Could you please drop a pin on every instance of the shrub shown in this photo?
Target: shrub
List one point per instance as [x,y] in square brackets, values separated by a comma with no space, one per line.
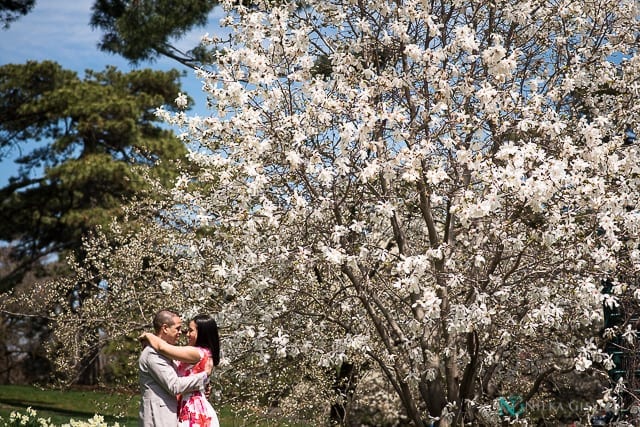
[30,419]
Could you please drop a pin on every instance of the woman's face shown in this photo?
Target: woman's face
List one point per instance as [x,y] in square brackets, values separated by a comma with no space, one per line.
[192,333]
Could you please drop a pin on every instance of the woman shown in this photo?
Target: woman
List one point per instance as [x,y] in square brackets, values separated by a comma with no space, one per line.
[203,341]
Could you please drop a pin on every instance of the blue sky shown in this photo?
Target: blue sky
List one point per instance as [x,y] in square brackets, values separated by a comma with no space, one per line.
[59,30]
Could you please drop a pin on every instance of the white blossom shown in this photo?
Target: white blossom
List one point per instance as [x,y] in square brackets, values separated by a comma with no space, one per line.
[397,188]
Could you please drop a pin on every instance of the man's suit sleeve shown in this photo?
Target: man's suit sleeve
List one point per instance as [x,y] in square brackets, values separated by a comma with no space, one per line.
[165,374]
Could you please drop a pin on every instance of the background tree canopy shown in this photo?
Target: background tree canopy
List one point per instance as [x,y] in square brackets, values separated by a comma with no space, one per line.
[143,30]
[86,144]
[11,10]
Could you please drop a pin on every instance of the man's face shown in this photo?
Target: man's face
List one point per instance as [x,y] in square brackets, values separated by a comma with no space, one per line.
[170,333]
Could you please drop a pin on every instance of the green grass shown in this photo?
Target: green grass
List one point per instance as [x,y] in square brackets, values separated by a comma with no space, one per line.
[61,406]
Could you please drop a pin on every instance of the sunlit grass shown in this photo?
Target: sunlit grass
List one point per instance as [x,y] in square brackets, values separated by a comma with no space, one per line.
[62,405]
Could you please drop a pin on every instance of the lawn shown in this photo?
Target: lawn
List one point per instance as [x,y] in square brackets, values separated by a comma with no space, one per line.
[61,406]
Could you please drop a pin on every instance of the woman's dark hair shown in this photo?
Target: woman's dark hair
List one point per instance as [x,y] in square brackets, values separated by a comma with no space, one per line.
[208,335]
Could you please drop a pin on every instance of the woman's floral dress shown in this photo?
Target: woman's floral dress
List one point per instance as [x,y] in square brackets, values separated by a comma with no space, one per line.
[194,409]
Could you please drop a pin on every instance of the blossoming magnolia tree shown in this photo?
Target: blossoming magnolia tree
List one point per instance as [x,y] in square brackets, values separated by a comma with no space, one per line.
[427,193]
[433,188]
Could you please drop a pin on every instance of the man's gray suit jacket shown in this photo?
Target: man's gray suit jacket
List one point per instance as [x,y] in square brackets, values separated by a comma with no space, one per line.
[159,385]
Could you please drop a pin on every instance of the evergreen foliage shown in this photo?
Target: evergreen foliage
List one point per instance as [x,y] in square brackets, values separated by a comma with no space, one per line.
[12,10]
[85,144]
[143,30]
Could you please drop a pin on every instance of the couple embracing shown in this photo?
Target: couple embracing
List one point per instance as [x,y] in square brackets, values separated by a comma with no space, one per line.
[174,379]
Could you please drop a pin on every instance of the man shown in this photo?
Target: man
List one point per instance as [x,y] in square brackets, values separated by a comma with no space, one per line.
[159,381]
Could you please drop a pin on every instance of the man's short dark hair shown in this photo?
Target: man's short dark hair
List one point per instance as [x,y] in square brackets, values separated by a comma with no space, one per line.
[163,317]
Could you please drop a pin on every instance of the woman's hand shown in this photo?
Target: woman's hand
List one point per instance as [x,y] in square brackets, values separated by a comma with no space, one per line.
[153,340]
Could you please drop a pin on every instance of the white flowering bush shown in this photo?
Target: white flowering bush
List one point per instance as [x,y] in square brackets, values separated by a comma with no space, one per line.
[30,418]
[431,191]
